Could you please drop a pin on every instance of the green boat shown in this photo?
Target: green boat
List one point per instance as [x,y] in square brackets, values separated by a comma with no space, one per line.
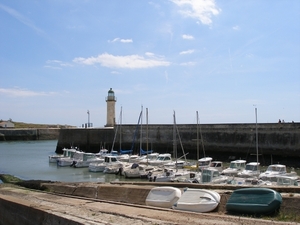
[257,201]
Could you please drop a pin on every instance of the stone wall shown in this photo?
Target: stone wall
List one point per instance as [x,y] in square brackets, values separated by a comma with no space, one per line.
[276,142]
[9,134]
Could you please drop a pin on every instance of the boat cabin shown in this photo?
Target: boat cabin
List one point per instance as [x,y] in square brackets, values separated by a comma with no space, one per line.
[110,158]
[253,166]
[204,162]
[287,181]
[164,157]
[238,164]
[217,165]
[278,168]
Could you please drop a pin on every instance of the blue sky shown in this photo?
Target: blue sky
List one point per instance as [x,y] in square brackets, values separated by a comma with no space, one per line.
[58,59]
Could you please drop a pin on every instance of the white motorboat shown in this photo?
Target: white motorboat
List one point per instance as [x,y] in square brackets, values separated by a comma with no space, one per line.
[212,176]
[287,181]
[198,200]
[128,158]
[112,169]
[102,153]
[178,164]
[54,158]
[217,165]
[68,161]
[149,157]
[86,159]
[108,161]
[204,162]
[167,175]
[251,170]
[137,171]
[275,170]
[164,197]
[66,153]
[235,167]
[161,160]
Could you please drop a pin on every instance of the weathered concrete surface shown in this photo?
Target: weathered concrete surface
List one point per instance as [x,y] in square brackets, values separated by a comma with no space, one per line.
[136,192]
[277,142]
[12,134]
[24,206]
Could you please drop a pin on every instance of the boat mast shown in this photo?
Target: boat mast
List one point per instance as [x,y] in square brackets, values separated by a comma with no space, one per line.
[256,137]
[147,133]
[201,138]
[198,156]
[141,133]
[115,136]
[147,130]
[174,140]
[121,129]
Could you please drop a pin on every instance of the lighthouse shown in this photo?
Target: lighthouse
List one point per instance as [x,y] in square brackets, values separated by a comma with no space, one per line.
[111,101]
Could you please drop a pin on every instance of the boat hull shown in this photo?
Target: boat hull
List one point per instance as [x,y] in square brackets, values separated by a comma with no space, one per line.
[254,201]
[198,200]
[164,197]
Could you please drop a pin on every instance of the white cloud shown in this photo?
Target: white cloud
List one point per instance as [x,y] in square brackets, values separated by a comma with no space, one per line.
[121,40]
[126,40]
[115,72]
[56,64]
[150,54]
[236,27]
[187,52]
[18,92]
[129,61]
[188,64]
[202,10]
[21,18]
[188,37]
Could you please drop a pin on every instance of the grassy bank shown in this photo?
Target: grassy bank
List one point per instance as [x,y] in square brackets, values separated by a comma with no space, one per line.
[21,125]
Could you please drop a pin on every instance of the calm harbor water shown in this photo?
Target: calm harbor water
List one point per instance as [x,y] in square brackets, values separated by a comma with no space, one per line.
[28,160]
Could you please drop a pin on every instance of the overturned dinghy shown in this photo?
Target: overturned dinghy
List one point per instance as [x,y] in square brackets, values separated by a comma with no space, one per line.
[164,197]
[198,200]
[254,201]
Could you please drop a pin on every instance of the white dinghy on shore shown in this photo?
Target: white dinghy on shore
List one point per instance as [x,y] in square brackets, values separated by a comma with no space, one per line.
[198,200]
[164,197]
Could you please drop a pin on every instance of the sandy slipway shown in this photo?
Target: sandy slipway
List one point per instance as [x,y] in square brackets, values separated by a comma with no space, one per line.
[98,203]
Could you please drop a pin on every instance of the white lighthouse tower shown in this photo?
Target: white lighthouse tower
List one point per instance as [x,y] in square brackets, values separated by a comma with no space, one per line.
[111,101]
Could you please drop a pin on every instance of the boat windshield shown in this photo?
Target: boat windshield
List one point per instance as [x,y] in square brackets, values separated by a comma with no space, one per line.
[163,158]
[251,167]
[205,163]
[152,157]
[233,165]
[215,164]
[114,159]
[276,169]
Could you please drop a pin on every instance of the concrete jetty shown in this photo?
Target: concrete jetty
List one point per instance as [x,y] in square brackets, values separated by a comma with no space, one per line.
[115,203]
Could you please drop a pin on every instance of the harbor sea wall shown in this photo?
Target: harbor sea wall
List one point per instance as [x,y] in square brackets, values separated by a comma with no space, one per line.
[13,134]
[277,142]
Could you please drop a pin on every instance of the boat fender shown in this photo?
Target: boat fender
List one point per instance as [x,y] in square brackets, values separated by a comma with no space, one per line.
[154,178]
[134,165]
[120,171]
[73,163]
